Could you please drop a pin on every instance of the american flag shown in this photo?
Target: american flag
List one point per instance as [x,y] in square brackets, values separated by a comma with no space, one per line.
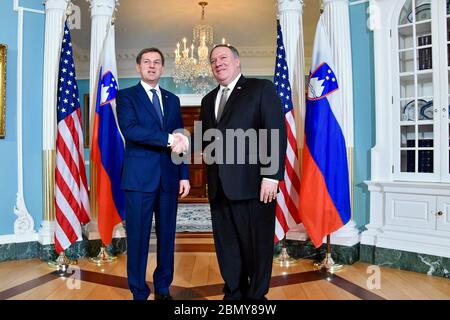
[71,195]
[287,214]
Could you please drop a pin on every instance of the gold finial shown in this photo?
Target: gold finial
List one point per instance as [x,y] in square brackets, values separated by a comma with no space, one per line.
[203,4]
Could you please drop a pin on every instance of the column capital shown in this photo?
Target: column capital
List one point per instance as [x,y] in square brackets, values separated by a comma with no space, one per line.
[290,5]
[102,7]
[326,2]
[55,5]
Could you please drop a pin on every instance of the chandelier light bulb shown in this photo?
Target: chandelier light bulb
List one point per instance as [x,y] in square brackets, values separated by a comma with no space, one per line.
[191,70]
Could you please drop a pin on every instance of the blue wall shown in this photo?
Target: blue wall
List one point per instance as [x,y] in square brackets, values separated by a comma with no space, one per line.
[364,108]
[33,40]
[364,117]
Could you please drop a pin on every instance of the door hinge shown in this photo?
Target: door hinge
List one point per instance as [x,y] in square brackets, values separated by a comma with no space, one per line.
[392,168]
[390,33]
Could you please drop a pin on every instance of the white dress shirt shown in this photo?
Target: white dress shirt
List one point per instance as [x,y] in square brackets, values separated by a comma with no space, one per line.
[147,89]
[231,86]
[219,93]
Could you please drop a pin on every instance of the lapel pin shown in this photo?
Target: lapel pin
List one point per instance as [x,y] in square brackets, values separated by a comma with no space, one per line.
[239,88]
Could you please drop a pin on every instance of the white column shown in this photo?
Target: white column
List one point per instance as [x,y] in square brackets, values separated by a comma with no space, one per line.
[101,14]
[337,24]
[54,19]
[374,228]
[291,20]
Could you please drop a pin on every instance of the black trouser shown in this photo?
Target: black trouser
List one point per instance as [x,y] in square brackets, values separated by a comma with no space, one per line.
[244,240]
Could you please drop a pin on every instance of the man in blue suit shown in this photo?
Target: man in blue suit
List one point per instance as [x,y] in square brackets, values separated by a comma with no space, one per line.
[148,115]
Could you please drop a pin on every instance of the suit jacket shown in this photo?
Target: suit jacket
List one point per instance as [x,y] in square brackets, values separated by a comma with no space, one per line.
[253,104]
[147,163]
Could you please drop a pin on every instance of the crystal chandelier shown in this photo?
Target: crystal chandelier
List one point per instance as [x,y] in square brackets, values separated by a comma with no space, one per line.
[196,72]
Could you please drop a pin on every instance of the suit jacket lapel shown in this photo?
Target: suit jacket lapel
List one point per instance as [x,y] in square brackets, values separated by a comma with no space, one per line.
[234,94]
[212,106]
[146,103]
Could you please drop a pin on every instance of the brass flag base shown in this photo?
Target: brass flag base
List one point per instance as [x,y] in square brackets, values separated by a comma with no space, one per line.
[283,259]
[61,263]
[103,257]
[328,264]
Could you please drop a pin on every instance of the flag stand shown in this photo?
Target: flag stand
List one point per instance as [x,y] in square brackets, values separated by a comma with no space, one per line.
[103,257]
[62,263]
[284,259]
[328,263]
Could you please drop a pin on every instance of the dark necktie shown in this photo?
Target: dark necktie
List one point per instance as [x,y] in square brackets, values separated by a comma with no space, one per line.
[157,105]
[222,102]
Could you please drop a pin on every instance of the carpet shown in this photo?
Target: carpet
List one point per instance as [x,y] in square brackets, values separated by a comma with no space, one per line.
[192,218]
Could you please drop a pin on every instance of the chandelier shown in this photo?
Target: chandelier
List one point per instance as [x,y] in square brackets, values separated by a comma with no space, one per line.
[192,71]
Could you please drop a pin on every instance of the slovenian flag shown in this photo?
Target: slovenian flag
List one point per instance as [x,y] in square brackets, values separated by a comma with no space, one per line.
[325,193]
[107,148]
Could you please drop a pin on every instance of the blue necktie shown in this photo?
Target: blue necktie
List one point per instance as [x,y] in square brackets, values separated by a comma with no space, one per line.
[157,105]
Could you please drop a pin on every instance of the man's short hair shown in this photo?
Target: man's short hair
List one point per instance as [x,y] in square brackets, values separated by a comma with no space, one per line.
[233,50]
[146,50]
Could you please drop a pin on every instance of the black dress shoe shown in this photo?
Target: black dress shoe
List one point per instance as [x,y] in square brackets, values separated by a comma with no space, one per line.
[163,296]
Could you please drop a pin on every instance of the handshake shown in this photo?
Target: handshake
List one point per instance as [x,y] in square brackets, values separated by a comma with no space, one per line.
[180,143]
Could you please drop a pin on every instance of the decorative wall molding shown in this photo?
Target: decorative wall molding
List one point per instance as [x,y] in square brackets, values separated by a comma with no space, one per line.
[13,238]
[81,55]
[24,223]
[18,7]
[256,61]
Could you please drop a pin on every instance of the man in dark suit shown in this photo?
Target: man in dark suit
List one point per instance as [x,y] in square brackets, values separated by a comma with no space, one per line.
[242,195]
[148,115]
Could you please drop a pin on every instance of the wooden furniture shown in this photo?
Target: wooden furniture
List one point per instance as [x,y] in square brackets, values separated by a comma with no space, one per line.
[410,177]
[198,193]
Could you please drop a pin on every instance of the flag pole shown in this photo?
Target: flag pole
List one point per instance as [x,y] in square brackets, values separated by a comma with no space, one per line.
[104,257]
[284,259]
[328,263]
[62,262]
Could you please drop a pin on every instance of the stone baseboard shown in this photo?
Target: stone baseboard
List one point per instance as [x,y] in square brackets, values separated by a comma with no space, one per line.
[404,260]
[18,251]
[80,249]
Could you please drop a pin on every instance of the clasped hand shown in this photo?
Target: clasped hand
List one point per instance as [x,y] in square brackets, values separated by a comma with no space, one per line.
[180,143]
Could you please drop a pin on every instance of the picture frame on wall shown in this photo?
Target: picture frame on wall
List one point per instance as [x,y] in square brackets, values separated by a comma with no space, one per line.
[3,49]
